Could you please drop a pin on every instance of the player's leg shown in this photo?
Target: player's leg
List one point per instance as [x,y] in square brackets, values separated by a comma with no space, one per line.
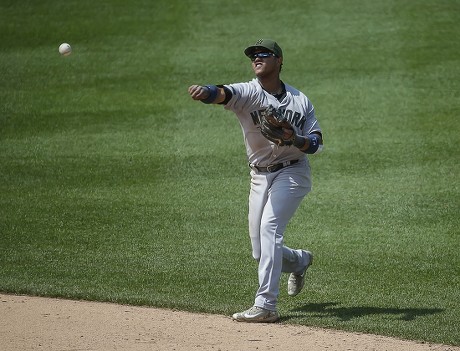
[257,200]
[287,189]
[295,261]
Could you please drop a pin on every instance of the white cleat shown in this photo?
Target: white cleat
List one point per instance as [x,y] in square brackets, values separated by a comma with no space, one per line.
[256,315]
[297,281]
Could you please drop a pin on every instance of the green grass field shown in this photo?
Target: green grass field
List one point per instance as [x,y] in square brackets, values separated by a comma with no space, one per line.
[116,186]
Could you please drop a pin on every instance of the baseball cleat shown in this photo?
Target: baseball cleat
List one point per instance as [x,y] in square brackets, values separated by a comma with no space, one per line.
[256,315]
[297,281]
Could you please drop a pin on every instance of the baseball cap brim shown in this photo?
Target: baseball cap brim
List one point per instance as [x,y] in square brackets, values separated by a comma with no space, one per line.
[264,44]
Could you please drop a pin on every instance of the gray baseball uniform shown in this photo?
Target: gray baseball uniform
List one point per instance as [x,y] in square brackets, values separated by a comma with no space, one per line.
[274,196]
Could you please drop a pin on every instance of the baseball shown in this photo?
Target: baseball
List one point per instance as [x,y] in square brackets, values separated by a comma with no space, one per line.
[65,49]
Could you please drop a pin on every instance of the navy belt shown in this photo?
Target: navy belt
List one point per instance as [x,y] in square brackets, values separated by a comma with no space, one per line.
[276,167]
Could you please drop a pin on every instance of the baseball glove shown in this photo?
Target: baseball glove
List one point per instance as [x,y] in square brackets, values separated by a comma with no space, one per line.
[275,127]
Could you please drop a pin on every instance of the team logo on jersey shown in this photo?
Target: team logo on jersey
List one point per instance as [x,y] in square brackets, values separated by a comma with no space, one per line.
[295,118]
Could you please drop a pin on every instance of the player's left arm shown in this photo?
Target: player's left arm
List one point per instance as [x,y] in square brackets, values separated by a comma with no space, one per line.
[312,141]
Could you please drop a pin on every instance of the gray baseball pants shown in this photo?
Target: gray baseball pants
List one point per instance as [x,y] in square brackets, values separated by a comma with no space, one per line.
[273,200]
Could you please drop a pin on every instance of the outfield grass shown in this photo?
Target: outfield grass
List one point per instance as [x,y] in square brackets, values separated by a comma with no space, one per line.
[116,186]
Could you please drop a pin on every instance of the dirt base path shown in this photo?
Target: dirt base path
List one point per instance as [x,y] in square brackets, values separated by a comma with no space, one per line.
[34,323]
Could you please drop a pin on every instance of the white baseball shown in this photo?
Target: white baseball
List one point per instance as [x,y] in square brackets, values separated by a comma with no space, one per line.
[65,49]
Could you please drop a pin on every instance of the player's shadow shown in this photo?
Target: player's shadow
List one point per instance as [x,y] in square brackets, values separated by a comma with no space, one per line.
[332,309]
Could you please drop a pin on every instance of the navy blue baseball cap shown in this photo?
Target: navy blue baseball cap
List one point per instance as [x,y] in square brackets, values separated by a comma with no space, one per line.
[264,44]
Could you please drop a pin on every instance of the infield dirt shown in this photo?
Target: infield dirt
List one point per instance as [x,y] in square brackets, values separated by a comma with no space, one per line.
[35,323]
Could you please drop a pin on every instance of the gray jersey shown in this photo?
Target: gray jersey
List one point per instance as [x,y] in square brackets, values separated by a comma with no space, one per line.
[247,102]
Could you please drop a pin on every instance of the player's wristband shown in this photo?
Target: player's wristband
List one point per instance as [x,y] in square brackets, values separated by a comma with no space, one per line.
[213,90]
[314,145]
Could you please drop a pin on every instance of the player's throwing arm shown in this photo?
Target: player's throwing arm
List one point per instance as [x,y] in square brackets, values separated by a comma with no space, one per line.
[210,94]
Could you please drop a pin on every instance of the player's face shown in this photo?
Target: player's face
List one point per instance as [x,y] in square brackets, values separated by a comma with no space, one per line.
[265,64]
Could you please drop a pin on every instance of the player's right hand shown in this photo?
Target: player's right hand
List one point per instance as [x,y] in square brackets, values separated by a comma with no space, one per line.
[197,92]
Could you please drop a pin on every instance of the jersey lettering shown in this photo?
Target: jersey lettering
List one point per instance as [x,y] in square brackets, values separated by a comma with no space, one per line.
[295,118]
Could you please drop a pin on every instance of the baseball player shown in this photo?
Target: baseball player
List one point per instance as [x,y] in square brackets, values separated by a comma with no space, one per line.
[279,128]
